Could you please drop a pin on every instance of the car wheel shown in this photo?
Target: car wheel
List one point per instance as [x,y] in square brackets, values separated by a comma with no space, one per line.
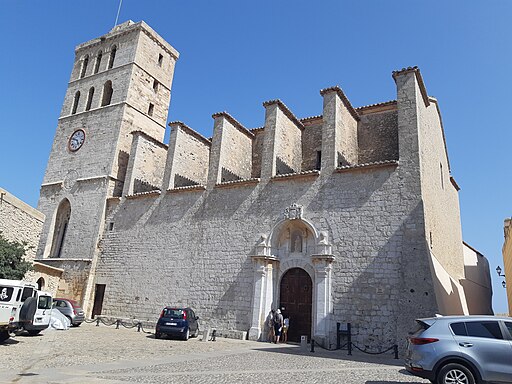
[158,335]
[75,325]
[34,332]
[454,373]
[196,332]
[4,335]
[186,336]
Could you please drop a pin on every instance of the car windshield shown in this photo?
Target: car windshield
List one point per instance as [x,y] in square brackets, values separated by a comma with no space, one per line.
[174,313]
[74,304]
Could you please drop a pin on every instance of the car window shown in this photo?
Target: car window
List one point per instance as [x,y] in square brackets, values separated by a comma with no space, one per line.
[45,302]
[487,329]
[27,292]
[459,329]
[509,326]
[6,293]
[62,304]
[174,313]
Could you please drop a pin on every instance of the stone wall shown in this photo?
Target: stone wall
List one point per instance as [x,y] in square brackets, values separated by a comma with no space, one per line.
[377,136]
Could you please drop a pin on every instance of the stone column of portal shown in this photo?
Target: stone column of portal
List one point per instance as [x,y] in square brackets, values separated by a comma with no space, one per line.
[322,262]
[263,287]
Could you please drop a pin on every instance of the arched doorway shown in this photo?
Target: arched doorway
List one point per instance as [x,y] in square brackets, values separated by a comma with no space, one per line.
[296,299]
[40,283]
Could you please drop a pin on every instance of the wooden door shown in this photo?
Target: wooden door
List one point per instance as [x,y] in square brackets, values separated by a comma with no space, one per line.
[296,298]
[99,293]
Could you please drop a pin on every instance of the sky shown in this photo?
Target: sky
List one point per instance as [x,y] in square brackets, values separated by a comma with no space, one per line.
[236,54]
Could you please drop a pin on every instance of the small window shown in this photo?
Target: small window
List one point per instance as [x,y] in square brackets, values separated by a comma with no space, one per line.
[155,85]
[112,57]
[487,329]
[110,226]
[150,109]
[459,329]
[98,62]
[75,102]
[160,59]
[84,66]
[89,99]
[107,93]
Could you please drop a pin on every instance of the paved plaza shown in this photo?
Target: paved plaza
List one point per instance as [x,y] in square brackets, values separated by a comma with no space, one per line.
[91,354]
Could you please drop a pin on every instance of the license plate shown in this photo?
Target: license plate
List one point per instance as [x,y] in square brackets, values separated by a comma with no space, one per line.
[171,324]
[39,320]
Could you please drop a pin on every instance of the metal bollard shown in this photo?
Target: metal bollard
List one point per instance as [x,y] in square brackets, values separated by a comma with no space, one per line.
[395,349]
[117,323]
[349,347]
[139,326]
[312,345]
[98,322]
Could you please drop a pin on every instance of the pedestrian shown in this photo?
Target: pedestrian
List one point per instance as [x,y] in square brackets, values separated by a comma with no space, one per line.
[270,325]
[286,326]
[278,325]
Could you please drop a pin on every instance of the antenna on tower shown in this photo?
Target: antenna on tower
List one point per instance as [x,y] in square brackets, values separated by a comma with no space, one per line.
[118,10]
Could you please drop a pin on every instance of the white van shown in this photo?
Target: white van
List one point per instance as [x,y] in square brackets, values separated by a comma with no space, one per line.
[22,306]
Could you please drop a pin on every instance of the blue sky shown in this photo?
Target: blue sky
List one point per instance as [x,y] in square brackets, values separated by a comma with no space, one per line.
[237,54]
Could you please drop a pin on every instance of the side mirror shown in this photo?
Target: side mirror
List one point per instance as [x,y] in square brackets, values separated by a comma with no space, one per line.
[197,317]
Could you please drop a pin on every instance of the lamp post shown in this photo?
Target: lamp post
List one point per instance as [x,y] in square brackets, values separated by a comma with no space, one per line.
[498,271]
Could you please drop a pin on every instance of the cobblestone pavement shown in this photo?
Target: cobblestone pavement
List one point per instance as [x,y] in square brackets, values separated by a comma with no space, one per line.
[106,355]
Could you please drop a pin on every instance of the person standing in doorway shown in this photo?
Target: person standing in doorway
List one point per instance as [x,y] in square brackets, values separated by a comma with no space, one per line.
[270,325]
[286,325]
[278,325]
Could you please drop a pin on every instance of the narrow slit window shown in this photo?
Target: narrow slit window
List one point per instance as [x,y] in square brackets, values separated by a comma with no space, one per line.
[155,85]
[441,171]
[98,62]
[107,93]
[318,160]
[84,66]
[150,109]
[112,57]
[160,59]
[75,102]
[89,99]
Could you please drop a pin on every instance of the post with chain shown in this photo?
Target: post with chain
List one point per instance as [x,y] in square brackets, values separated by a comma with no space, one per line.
[117,323]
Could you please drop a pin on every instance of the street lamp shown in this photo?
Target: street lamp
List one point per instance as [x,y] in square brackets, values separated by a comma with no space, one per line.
[498,271]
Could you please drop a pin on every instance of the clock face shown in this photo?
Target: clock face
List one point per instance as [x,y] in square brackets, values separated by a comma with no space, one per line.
[76,140]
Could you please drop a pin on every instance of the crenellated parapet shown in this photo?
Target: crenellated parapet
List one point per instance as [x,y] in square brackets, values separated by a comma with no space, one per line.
[342,139]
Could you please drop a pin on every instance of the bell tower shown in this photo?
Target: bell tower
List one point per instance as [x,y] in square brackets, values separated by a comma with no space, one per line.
[120,83]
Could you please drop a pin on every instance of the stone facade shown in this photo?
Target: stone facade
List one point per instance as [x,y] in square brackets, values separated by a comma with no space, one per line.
[359,200]
[507,258]
[22,223]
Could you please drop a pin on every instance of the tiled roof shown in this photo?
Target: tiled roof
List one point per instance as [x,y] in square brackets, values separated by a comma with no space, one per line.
[384,103]
[285,110]
[155,192]
[374,164]
[421,84]
[313,172]
[343,98]
[150,138]
[191,131]
[187,188]
[233,121]
[238,182]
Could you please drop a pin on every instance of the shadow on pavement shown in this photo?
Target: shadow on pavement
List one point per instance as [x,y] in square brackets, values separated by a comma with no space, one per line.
[291,349]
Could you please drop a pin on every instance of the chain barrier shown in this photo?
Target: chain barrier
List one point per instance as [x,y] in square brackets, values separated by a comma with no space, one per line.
[393,347]
[346,331]
[118,323]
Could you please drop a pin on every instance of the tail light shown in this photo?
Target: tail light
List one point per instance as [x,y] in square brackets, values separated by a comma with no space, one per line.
[74,311]
[184,315]
[422,340]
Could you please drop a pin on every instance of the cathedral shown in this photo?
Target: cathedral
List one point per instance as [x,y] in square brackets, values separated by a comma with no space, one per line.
[348,216]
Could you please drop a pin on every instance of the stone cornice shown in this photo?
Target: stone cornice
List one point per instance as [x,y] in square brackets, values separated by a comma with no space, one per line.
[237,183]
[187,188]
[286,111]
[234,122]
[376,164]
[190,131]
[298,175]
[343,98]
[153,193]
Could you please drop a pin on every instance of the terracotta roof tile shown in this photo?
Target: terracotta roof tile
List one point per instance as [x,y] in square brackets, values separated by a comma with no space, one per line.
[343,98]
[285,110]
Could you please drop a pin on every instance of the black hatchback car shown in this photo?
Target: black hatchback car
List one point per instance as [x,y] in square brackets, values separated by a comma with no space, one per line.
[180,322]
